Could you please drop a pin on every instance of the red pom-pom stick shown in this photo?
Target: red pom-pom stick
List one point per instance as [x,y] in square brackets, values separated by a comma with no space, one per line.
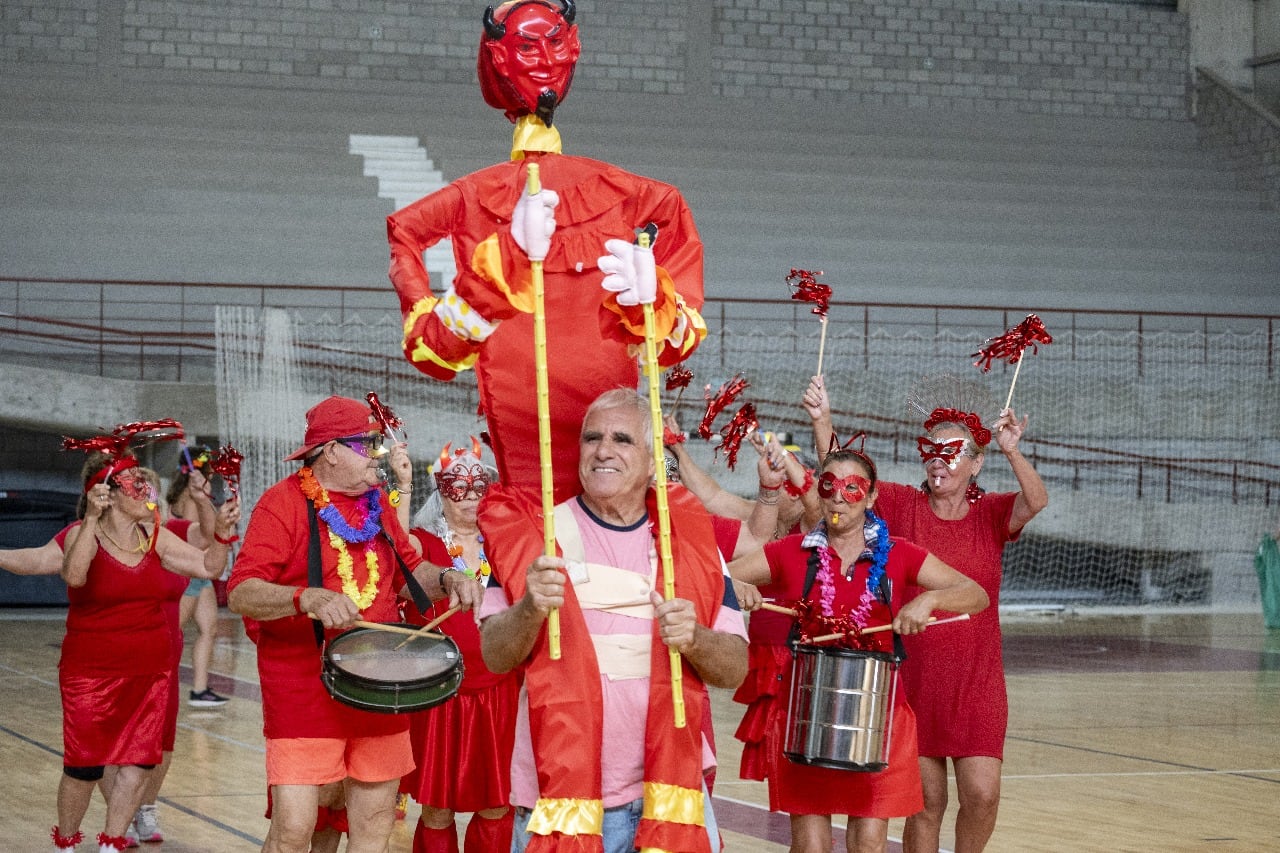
[225,462]
[806,288]
[670,437]
[715,405]
[386,417]
[679,377]
[1010,346]
[735,431]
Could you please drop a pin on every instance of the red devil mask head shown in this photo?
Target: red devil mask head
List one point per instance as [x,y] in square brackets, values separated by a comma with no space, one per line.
[527,55]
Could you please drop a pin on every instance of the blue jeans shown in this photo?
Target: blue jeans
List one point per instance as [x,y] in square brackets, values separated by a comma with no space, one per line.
[620,825]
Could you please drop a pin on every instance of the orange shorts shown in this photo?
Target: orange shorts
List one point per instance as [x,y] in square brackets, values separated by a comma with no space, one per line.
[319,761]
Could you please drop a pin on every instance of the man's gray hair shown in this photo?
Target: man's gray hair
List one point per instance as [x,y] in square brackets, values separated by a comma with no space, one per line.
[620,398]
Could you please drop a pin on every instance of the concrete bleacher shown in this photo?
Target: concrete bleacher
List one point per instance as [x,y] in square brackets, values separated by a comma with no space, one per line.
[195,184]
[201,184]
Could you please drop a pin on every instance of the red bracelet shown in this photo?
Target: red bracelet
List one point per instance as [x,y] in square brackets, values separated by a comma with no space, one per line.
[796,492]
[235,537]
[765,488]
[297,599]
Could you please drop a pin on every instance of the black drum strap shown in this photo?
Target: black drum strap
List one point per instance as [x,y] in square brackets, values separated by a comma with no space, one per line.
[419,595]
[886,595]
[810,575]
[315,575]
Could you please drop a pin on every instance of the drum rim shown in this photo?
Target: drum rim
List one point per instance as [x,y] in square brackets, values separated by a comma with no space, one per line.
[384,684]
[833,764]
[447,691]
[842,651]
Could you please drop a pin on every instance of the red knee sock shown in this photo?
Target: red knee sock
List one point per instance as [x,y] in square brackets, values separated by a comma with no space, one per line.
[484,835]
[428,839]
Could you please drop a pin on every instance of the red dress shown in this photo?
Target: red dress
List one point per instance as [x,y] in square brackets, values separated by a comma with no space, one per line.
[584,355]
[805,789]
[463,746]
[768,661]
[295,703]
[117,662]
[954,674]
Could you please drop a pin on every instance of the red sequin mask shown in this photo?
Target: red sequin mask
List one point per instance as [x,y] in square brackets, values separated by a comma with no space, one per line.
[133,485]
[853,488]
[463,481]
[948,451]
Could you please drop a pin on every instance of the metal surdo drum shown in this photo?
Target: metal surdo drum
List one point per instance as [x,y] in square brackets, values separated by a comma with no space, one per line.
[391,673]
[841,710]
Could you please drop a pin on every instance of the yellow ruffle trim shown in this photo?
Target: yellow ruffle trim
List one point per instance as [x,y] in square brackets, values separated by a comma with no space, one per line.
[568,817]
[673,804]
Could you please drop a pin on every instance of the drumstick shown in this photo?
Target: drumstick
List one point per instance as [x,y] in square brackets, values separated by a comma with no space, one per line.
[390,629]
[776,608]
[933,620]
[423,631]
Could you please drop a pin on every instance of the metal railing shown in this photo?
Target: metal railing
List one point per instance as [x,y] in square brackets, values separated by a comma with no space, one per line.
[164,330]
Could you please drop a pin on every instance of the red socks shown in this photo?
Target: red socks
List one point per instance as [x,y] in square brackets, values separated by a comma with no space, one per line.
[484,835]
[427,839]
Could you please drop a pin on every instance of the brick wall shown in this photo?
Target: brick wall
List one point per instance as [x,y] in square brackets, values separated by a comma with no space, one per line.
[1095,59]
[1241,133]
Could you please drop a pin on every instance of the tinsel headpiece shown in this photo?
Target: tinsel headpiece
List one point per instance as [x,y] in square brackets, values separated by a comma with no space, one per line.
[947,398]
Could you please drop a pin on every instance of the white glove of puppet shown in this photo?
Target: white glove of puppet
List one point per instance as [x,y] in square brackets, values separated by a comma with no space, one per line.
[534,221]
[630,272]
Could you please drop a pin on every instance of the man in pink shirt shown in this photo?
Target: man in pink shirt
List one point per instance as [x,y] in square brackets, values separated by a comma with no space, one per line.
[613,682]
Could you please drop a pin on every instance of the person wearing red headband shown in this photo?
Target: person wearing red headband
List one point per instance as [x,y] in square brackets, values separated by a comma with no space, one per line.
[955,680]
[334,507]
[116,669]
[581,229]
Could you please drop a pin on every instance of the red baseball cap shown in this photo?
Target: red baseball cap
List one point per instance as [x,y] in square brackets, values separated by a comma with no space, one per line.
[335,417]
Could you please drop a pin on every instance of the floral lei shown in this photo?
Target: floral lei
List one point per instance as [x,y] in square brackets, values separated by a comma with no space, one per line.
[826,576]
[455,555]
[341,533]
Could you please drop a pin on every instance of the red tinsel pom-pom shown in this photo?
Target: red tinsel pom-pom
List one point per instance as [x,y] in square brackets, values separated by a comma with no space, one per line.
[735,431]
[716,404]
[386,417]
[679,377]
[1010,346]
[805,287]
[225,462]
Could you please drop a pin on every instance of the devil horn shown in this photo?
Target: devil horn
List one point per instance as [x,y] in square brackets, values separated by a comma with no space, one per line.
[492,28]
[568,11]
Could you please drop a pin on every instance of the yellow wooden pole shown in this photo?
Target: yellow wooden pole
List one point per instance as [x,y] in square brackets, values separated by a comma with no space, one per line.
[664,511]
[534,186]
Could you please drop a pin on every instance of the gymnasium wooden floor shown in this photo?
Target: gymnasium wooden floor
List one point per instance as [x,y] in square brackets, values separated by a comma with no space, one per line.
[1156,733]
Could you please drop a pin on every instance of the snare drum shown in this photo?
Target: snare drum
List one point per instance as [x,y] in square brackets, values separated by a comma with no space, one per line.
[364,668]
[840,714]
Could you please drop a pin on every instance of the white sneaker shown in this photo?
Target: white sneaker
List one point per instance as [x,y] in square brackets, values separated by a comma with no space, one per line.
[147,824]
[131,835]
